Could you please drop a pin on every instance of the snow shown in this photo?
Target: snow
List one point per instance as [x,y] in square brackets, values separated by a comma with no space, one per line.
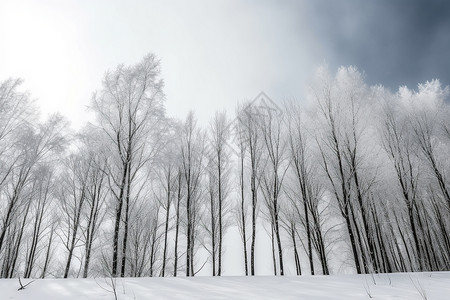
[434,285]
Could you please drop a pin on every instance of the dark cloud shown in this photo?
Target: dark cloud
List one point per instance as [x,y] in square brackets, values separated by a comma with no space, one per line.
[401,42]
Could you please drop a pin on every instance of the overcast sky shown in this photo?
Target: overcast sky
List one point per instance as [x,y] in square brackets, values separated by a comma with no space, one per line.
[216,53]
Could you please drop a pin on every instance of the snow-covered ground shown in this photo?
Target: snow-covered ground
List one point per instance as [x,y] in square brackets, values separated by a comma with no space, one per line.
[392,286]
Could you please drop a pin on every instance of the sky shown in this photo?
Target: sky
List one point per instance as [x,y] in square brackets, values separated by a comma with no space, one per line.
[215,54]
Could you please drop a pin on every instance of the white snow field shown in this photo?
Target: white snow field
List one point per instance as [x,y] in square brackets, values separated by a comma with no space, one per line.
[435,285]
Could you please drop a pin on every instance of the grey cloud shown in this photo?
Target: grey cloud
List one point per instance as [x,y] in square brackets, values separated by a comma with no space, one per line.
[401,42]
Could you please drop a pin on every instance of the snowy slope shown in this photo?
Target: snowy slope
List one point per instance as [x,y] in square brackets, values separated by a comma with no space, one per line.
[393,286]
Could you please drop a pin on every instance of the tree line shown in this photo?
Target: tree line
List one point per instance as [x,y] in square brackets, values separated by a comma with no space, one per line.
[351,177]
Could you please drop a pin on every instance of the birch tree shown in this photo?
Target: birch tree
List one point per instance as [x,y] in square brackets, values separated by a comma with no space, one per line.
[128,108]
[192,155]
[219,186]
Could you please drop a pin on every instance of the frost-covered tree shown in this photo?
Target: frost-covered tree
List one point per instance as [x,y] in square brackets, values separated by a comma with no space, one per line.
[129,110]
[192,168]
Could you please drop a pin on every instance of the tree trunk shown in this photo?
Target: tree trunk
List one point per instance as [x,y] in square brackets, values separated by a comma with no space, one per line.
[366,228]
[352,240]
[277,235]
[297,259]
[177,226]
[166,228]
[219,266]
[74,235]
[125,231]
[213,235]
[244,235]
[117,221]
[274,259]
[47,255]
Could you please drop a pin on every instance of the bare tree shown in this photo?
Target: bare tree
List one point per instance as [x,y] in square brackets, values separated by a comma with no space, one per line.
[72,197]
[95,206]
[272,128]
[180,195]
[48,251]
[333,151]
[424,127]
[128,107]
[248,118]
[400,150]
[192,155]
[218,186]
[145,236]
[44,177]
[167,179]
[241,209]
[35,145]
[306,201]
